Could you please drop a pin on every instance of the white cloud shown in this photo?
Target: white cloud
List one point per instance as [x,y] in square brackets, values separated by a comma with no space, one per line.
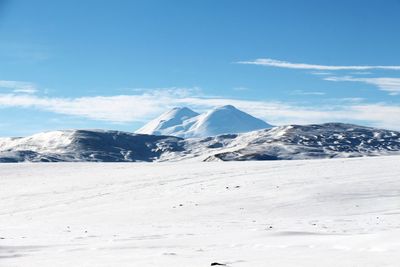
[321,73]
[380,115]
[122,108]
[289,65]
[18,86]
[391,85]
[145,106]
[361,73]
[301,92]
[176,91]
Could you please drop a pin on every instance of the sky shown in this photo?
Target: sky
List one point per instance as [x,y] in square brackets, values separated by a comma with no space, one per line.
[117,64]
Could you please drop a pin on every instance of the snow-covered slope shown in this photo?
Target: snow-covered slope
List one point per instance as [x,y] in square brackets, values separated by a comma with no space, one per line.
[224,120]
[285,142]
[173,122]
[330,213]
[327,140]
[86,145]
[186,123]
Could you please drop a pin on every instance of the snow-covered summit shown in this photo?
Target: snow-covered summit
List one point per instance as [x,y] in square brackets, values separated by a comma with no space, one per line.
[183,122]
[169,123]
[225,120]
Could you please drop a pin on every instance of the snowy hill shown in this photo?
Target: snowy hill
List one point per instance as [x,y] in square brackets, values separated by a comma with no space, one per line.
[186,123]
[330,213]
[330,140]
[86,145]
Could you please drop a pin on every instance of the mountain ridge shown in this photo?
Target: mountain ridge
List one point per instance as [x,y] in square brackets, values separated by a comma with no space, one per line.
[314,141]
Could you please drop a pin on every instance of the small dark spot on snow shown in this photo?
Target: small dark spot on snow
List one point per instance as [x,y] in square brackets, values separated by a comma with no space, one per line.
[169,253]
[217,264]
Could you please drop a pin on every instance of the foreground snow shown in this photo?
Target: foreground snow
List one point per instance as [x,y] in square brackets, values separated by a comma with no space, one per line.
[337,212]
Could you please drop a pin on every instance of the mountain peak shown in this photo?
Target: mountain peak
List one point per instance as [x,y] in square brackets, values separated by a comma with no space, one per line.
[168,122]
[225,120]
[183,122]
[228,107]
[181,111]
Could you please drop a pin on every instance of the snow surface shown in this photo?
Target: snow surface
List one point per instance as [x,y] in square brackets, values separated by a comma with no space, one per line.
[336,212]
[183,122]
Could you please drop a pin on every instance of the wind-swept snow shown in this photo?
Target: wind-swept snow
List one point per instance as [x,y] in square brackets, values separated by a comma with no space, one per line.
[337,212]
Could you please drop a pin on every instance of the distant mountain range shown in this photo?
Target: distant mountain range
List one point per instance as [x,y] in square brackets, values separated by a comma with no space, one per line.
[184,122]
[330,140]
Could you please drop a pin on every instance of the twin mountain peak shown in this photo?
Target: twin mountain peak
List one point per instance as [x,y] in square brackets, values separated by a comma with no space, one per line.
[186,123]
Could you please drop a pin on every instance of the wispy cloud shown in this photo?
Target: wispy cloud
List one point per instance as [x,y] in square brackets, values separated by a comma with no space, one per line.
[119,109]
[289,65]
[361,73]
[18,86]
[321,73]
[301,92]
[175,91]
[380,114]
[145,106]
[391,85]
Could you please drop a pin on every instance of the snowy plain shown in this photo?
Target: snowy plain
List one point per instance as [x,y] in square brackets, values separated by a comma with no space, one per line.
[331,212]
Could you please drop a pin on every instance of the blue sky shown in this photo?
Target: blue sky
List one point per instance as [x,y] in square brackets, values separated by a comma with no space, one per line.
[117,64]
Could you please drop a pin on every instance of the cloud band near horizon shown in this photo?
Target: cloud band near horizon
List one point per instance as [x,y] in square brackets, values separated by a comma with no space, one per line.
[145,106]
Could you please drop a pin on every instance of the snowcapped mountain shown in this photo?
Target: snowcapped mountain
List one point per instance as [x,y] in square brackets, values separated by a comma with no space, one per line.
[173,122]
[330,140]
[183,122]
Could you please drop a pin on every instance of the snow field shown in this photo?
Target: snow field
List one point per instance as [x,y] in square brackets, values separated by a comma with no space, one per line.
[337,212]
